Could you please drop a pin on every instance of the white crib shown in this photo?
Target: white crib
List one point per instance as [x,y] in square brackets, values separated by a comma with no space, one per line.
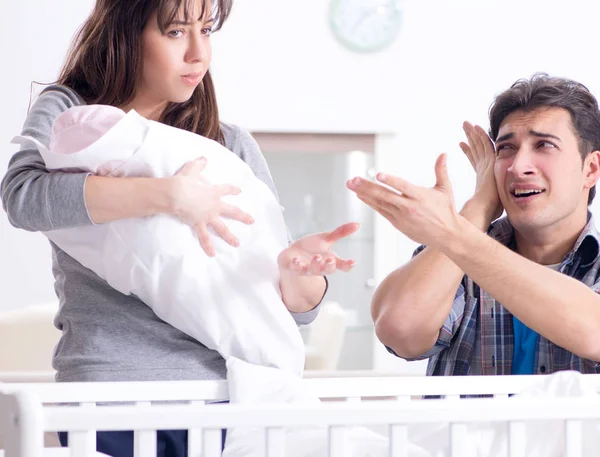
[27,410]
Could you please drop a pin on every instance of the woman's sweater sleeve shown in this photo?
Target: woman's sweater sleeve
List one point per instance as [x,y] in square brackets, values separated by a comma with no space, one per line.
[33,198]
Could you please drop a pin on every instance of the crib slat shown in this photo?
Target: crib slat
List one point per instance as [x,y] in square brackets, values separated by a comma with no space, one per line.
[211,443]
[574,438]
[83,442]
[275,442]
[398,441]
[458,440]
[195,436]
[144,443]
[336,442]
[21,424]
[516,439]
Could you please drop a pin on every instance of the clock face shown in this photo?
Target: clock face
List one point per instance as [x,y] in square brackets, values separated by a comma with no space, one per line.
[365,25]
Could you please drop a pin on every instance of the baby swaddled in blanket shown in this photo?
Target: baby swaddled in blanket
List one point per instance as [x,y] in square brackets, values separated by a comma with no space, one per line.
[230,302]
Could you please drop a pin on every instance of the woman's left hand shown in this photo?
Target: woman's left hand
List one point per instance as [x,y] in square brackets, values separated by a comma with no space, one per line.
[311,255]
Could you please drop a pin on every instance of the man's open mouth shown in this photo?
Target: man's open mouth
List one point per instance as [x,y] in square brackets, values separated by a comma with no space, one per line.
[522,193]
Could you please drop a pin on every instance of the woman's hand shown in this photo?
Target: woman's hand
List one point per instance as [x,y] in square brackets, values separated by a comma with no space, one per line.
[304,263]
[311,255]
[198,203]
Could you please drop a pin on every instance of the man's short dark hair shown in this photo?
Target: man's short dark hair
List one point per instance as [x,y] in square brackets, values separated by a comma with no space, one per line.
[542,91]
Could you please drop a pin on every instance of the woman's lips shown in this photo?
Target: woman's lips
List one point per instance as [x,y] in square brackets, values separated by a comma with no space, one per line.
[192,79]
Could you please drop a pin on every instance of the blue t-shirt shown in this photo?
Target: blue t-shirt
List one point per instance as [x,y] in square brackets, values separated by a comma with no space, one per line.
[525,346]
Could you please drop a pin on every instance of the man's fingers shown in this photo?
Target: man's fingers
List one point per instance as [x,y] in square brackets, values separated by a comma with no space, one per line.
[399,184]
[477,142]
[379,205]
[474,145]
[385,213]
[467,151]
[485,139]
[341,232]
[442,181]
[236,214]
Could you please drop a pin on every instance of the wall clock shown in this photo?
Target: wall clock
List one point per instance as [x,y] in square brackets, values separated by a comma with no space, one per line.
[365,25]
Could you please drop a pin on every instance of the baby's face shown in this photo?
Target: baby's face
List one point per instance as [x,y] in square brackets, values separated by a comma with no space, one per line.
[80,126]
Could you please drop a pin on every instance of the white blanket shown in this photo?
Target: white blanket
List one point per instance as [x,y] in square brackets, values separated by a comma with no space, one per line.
[541,438]
[232,302]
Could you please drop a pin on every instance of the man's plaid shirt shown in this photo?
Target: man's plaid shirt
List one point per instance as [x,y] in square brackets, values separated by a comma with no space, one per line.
[477,337]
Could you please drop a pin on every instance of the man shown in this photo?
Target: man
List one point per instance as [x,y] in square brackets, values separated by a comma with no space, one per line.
[523,298]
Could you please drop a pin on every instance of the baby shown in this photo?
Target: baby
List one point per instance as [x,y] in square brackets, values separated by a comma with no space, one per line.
[231,302]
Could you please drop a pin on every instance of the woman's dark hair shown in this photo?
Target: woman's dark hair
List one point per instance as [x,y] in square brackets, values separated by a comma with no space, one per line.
[105,60]
[542,91]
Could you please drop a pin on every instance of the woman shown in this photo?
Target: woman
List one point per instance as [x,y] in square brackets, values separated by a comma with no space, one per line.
[152,56]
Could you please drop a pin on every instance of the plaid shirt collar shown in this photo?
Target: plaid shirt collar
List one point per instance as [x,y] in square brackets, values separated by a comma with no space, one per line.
[586,248]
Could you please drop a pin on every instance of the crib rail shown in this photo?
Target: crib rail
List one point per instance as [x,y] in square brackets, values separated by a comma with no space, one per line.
[25,418]
[173,417]
[349,389]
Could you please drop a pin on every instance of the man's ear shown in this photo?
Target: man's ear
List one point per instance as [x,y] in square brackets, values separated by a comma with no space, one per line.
[591,169]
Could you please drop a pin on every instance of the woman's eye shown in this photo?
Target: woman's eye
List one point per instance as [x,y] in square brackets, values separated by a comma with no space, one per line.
[175,33]
[207,31]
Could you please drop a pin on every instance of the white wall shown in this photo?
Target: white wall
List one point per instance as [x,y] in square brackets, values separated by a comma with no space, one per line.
[278,68]
[34,37]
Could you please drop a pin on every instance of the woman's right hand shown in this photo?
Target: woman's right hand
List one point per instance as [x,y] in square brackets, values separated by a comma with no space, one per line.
[198,203]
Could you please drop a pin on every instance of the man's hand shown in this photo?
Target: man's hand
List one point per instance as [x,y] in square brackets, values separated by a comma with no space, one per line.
[425,215]
[482,155]
[311,255]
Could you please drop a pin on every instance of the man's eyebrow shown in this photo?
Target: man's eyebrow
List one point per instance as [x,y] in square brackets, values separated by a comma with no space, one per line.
[508,136]
[543,135]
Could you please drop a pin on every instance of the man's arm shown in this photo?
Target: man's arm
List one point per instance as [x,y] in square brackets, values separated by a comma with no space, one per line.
[411,304]
[560,308]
